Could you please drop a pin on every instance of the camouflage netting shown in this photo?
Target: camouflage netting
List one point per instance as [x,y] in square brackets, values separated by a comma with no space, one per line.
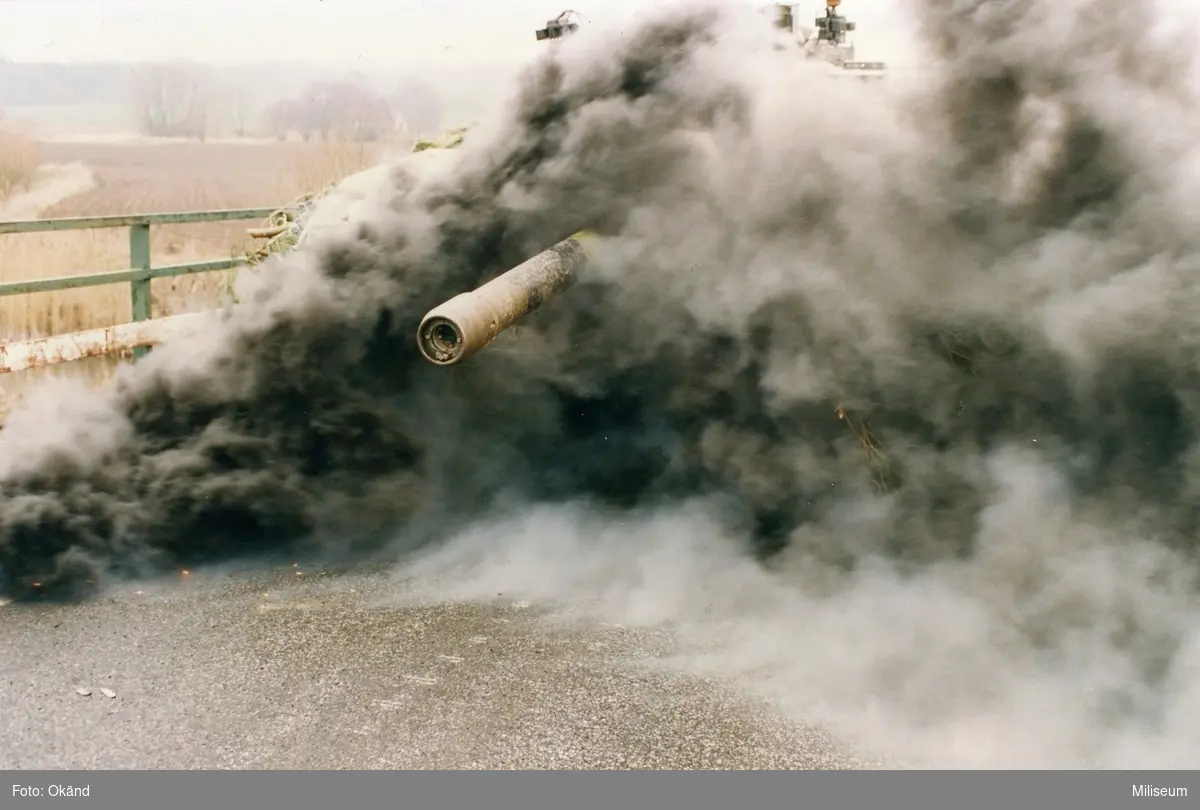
[450,140]
[284,228]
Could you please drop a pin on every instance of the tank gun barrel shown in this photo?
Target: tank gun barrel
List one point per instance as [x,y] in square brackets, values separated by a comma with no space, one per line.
[460,327]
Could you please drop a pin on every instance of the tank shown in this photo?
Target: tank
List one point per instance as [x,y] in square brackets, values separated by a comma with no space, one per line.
[465,324]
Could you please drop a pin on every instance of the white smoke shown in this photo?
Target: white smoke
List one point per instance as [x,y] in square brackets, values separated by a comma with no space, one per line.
[1017,658]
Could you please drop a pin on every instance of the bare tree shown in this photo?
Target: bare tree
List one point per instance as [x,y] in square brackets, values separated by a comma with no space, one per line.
[242,104]
[281,118]
[173,101]
[347,108]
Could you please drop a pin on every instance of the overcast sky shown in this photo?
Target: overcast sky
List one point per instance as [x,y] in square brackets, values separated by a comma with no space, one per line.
[371,32]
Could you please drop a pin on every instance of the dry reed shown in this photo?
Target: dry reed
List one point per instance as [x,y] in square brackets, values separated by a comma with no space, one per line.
[145,178]
[18,161]
[46,255]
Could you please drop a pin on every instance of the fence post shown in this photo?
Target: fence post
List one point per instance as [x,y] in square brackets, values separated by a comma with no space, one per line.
[139,259]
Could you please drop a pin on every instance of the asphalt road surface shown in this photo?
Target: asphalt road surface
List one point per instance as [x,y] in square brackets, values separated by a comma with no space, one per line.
[297,669]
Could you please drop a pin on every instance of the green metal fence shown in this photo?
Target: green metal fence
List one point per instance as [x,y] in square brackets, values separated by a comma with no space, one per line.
[140,272]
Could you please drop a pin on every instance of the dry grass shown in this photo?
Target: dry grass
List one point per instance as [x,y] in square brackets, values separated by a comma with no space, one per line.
[19,161]
[141,179]
[169,177]
[311,167]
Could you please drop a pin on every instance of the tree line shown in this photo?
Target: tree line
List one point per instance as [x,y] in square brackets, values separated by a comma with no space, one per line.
[183,100]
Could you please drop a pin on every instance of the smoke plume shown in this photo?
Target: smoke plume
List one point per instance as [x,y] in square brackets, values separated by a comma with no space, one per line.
[891,390]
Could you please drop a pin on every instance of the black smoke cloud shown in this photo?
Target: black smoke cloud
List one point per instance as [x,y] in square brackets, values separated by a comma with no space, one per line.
[947,324]
[309,417]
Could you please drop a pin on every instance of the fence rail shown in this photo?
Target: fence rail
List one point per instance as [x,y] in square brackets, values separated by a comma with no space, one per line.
[94,342]
[132,220]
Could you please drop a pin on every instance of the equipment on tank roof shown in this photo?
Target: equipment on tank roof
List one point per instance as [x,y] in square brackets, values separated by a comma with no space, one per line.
[829,40]
[562,25]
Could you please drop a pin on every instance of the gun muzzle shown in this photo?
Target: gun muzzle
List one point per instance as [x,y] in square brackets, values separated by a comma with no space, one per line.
[457,329]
